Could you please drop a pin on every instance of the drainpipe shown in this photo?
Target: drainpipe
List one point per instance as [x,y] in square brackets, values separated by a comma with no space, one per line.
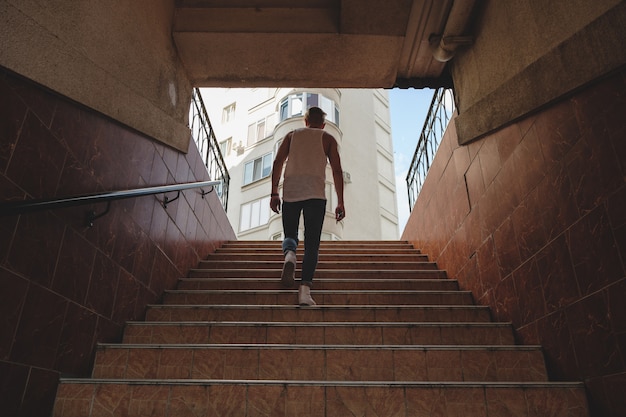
[444,46]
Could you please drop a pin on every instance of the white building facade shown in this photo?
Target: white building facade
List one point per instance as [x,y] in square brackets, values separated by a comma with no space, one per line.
[249,124]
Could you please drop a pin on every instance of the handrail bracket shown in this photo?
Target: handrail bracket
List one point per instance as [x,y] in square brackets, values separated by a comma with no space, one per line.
[203,193]
[166,200]
[91,216]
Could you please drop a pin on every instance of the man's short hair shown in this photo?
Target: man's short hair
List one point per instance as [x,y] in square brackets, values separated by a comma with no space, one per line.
[315,115]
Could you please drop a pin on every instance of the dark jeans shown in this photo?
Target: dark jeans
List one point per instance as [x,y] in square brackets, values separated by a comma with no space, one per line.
[314,211]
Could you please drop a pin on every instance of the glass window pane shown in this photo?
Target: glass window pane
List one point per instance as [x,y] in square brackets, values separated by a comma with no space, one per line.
[228,113]
[330,207]
[296,105]
[248,173]
[245,218]
[255,214]
[311,100]
[267,165]
[225,147]
[327,106]
[284,107]
[257,169]
[270,124]
[260,130]
[251,134]
[265,211]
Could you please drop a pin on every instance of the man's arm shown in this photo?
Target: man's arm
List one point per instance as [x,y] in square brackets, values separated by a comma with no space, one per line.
[277,171]
[335,165]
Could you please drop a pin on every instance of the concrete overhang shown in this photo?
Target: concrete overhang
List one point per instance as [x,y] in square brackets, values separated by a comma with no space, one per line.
[312,43]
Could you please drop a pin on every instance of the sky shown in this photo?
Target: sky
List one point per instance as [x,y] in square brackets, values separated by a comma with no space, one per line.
[408,109]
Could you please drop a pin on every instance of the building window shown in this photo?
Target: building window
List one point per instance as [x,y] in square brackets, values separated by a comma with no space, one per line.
[228,113]
[261,129]
[331,198]
[219,188]
[312,100]
[225,146]
[255,214]
[257,169]
[295,105]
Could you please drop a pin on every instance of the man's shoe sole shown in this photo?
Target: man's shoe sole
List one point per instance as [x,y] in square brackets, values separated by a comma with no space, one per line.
[286,278]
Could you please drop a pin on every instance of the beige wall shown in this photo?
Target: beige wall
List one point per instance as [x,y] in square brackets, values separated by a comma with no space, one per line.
[528,54]
[116,57]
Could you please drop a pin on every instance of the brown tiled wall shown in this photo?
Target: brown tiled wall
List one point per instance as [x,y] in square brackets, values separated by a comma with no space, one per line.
[65,286]
[532,219]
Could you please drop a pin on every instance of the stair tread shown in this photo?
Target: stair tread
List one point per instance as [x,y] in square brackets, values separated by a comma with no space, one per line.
[320,284]
[321,263]
[460,384]
[280,346]
[324,307]
[319,323]
[291,290]
[325,269]
[323,256]
[364,274]
[321,279]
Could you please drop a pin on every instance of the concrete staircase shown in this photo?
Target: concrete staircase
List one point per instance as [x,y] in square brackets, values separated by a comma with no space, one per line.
[391,336]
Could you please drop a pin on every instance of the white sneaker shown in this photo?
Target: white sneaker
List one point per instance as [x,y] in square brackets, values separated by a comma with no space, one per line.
[304,296]
[289,270]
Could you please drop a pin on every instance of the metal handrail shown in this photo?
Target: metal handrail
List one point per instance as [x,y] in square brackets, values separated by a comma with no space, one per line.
[441,109]
[29,206]
[204,137]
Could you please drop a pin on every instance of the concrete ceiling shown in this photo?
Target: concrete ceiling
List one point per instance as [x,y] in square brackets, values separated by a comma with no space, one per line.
[311,43]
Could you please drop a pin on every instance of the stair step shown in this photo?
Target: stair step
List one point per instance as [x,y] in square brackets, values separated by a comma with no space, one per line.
[320,284]
[340,250]
[247,398]
[321,273]
[354,264]
[325,313]
[325,244]
[322,363]
[325,297]
[324,256]
[319,333]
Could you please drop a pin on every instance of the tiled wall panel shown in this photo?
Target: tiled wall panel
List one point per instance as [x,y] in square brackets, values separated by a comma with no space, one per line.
[65,286]
[532,220]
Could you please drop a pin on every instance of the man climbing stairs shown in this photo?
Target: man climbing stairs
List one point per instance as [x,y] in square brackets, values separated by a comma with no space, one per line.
[391,336]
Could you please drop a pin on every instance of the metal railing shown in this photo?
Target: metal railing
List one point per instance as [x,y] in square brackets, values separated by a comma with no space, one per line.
[441,110]
[30,206]
[204,136]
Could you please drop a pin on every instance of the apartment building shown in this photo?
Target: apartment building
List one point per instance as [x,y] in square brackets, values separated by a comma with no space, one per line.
[249,125]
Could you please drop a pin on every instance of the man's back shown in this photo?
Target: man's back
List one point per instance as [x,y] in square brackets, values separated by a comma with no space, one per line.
[305,173]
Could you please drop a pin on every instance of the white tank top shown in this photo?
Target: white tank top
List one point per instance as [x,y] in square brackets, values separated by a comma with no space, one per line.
[305,173]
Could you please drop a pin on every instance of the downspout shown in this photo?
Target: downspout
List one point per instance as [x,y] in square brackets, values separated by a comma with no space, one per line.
[444,46]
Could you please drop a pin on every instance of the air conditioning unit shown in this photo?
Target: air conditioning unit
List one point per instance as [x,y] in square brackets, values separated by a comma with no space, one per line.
[239,148]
